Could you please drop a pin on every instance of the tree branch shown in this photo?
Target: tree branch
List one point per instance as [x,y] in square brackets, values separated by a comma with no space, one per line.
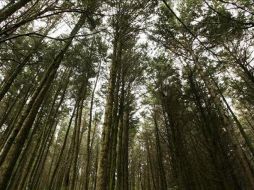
[34,34]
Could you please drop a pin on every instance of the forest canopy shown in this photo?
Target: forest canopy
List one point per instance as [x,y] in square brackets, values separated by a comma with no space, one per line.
[126,95]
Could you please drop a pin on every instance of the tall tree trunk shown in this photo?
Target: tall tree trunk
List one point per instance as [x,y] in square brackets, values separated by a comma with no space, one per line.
[226,122]
[23,126]
[119,163]
[162,176]
[117,113]
[125,145]
[60,156]
[88,144]
[102,175]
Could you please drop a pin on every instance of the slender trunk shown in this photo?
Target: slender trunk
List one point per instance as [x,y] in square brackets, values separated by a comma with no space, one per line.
[119,164]
[88,144]
[60,156]
[117,112]
[8,109]
[238,150]
[77,131]
[162,176]
[24,125]
[8,131]
[125,144]
[102,175]
[149,162]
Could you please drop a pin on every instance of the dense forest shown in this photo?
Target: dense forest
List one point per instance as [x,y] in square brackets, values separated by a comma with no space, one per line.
[126,95]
